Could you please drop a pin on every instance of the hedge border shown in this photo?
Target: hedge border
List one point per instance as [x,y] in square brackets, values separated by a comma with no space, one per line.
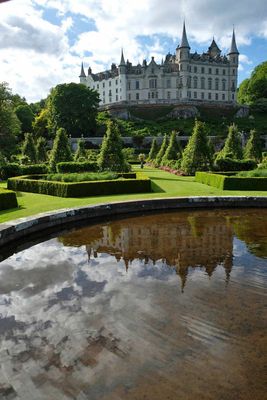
[8,199]
[140,184]
[224,182]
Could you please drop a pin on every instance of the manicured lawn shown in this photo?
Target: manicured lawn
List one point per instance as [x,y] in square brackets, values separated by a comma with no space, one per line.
[163,183]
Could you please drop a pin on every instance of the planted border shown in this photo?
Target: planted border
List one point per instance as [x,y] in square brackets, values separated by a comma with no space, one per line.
[135,183]
[8,199]
[224,182]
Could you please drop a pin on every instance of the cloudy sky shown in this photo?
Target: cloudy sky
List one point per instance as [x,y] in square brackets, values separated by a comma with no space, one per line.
[42,42]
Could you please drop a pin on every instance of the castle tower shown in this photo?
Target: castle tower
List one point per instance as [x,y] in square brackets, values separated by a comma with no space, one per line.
[123,78]
[82,75]
[182,57]
[233,57]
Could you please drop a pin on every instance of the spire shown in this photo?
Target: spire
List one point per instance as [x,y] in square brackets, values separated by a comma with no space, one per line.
[82,74]
[184,42]
[233,48]
[122,62]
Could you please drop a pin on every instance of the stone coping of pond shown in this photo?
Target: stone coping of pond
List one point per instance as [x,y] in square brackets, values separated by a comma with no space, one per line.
[20,228]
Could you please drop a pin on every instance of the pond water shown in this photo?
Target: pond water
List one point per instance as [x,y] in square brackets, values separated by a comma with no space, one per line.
[167,306]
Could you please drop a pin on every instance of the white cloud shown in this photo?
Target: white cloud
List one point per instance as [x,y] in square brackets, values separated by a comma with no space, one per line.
[36,55]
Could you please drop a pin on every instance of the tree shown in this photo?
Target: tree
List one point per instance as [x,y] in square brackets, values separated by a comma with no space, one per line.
[41,150]
[80,152]
[9,123]
[26,117]
[111,156]
[28,148]
[162,150]
[173,151]
[154,149]
[40,124]
[61,150]
[73,107]
[232,147]
[196,155]
[253,149]
[255,87]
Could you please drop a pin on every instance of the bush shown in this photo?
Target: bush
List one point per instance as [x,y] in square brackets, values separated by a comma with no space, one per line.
[87,176]
[141,184]
[232,147]
[14,169]
[229,164]
[28,148]
[8,199]
[61,151]
[254,173]
[231,182]
[87,166]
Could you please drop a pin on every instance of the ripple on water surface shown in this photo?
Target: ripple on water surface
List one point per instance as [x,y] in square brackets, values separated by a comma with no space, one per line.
[167,306]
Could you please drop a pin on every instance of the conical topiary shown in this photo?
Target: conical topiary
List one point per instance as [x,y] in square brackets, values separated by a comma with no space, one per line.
[28,148]
[80,152]
[253,149]
[232,147]
[41,150]
[153,150]
[162,150]
[196,155]
[173,151]
[61,150]
[111,157]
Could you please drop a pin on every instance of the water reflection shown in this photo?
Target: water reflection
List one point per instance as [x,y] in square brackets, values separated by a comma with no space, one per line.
[98,313]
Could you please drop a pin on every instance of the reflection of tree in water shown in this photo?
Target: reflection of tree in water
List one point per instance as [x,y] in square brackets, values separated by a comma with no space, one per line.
[200,240]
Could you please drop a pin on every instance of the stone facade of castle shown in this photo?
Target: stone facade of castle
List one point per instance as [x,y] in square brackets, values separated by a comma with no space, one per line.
[183,77]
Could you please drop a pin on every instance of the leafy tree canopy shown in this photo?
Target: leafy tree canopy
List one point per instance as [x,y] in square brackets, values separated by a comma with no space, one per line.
[73,107]
[255,87]
[26,117]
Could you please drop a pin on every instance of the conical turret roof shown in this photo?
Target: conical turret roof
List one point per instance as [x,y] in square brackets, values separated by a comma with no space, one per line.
[82,74]
[184,41]
[233,48]
[122,62]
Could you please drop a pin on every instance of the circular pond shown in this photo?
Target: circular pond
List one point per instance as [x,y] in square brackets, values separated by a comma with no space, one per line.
[166,306]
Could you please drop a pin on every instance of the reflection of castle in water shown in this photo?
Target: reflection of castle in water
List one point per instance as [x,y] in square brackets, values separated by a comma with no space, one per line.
[179,240]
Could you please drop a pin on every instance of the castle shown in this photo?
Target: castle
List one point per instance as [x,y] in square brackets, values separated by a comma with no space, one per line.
[183,77]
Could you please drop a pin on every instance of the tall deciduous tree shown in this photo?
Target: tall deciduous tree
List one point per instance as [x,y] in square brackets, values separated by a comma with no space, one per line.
[254,88]
[162,150]
[73,107]
[173,151]
[9,122]
[196,155]
[253,147]
[40,124]
[111,156]
[232,147]
[26,117]
[28,148]
[61,150]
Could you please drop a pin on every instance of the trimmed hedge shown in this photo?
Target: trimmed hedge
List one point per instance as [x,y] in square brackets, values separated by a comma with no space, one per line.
[87,166]
[224,182]
[35,184]
[228,164]
[14,169]
[8,199]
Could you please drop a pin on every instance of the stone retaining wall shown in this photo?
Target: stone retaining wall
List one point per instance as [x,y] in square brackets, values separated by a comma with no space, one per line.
[21,228]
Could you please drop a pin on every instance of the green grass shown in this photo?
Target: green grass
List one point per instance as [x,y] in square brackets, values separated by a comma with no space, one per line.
[261,173]
[164,184]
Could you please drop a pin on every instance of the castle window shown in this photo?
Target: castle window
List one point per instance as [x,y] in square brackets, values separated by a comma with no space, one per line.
[195,95]
[202,95]
[216,96]
[234,59]
[168,95]
[117,97]
[223,96]
[223,71]
[117,90]
[110,94]
[195,82]
[129,85]
[233,72]
[181,67]
[97,86]
[217,71]
[153,95]
[223,84]
[233,96]
[103,93]
[203,83]
[195,69]
[103,84]
[116,81]
[168,83]
[216,84]
[137,96]
[152,71]
[189,94]
[109,83]
[156,95]
[129,96]
[137,85]
[189,82]
[152,83]
[209,83]
[209,96]
[190,68]
[210,72]
[202,70]
[149,95]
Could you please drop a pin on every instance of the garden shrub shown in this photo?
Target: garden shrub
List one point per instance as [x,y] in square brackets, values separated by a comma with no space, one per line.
[32,184]
[254,173]
[87,166]
[14,169]
[82,177]
[232,182]
[229,164]
[8,199]
[33,169]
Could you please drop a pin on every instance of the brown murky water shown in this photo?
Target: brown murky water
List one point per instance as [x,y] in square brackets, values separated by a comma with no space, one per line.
[167,306]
